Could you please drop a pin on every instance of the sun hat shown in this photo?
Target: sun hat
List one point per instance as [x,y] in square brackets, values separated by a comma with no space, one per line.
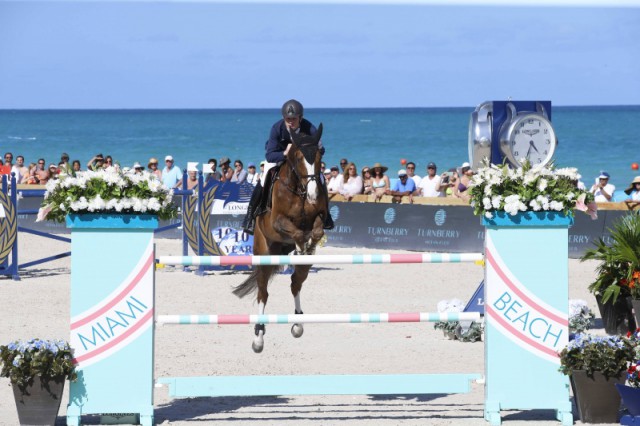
[327,171]
[629,190]
[168,158]
[402,172]
[152,160]
[604,175]
[137,165]
[263,162]
[251,165]
[384,169]
[224,160]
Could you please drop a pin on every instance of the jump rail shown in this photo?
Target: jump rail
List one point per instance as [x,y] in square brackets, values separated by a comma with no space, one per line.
[361,318]
[325,259]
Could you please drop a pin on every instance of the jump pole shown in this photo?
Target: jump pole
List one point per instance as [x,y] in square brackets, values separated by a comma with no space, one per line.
[362,318]
[324,259]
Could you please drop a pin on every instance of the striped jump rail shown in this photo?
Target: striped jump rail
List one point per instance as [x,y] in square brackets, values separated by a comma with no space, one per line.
[363,318]
[322,259]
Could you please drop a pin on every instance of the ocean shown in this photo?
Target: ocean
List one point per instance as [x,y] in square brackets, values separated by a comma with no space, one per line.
[591,138]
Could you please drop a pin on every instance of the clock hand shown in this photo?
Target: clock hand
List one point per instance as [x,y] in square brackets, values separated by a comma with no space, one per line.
[533,146]
[528,153]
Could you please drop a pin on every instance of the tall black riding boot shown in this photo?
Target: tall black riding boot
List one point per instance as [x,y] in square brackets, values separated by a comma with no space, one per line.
[328,220]
[249,222]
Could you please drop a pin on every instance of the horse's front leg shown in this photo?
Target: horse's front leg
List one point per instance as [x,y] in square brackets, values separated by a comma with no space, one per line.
[299,275]
[264,272]
[284,226]
[315,236]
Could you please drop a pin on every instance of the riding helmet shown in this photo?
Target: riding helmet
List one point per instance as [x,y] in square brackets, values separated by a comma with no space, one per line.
[292,108]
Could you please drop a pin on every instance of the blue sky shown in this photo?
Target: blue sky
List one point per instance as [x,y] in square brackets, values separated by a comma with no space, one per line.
[255,54]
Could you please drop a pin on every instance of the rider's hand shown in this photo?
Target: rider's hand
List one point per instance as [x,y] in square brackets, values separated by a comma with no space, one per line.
[286,151]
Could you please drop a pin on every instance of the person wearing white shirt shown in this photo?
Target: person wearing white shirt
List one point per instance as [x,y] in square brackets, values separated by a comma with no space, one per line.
[252,176]
[602,189]
[431,184]
[350,182]
[333,186]
[411,172]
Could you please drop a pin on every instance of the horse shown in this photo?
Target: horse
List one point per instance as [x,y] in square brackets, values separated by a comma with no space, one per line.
[293,223]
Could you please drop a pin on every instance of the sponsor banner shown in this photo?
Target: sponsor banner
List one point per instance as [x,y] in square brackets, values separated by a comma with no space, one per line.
[409,227]
[231,198]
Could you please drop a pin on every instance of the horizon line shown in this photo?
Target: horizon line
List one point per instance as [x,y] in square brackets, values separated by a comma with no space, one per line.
[276,108]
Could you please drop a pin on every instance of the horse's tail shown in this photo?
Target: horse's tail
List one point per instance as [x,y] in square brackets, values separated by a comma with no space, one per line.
[248,286]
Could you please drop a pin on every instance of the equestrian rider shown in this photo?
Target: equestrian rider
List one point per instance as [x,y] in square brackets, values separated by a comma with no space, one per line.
[276,149]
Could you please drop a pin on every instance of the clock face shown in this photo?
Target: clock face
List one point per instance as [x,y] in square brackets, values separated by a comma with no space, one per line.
[530,137]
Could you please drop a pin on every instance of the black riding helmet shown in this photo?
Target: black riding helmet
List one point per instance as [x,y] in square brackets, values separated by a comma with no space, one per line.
[292,108]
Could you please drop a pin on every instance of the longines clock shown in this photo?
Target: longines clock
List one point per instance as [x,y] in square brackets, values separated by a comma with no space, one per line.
[527,136]
[511,131]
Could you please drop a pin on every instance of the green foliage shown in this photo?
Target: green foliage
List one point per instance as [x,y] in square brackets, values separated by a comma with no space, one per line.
[609,355]
[618,273]
[23,361]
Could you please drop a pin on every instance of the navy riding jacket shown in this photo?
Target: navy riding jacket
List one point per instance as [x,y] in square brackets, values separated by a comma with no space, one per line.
[279,138]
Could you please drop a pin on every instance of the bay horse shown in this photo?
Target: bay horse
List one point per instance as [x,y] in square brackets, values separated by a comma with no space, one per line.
[294,222]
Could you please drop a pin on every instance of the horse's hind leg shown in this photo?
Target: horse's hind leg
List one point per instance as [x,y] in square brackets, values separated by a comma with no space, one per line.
[299,275]
[264,273]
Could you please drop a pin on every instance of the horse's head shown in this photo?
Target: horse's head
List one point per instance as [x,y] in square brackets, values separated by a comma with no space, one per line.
[304,158]
[306,148]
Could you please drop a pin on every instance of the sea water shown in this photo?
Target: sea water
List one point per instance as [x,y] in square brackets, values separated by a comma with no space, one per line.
[592,138]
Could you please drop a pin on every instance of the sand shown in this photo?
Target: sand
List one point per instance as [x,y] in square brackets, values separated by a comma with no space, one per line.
[38,306]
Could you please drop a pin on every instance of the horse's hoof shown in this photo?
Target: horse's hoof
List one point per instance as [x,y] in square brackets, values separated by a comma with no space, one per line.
[297,330]
[257,346]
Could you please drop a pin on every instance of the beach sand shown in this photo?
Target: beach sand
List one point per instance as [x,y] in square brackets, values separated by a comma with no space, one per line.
[38,306]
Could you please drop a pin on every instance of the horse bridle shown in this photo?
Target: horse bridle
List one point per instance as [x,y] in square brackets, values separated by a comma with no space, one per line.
[302,183]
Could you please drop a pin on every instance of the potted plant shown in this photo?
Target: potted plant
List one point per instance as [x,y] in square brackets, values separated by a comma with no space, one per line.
[498,190]
[37,370]
[106,191]
[595,364]
[618,274]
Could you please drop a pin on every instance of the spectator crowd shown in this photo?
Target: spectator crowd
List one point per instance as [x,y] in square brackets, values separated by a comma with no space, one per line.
[345,180]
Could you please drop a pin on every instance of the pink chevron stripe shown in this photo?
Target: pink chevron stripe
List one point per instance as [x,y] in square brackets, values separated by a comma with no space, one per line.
[119,297]
[522,295]
[404,317]
[143,320]
[233,319]
[406,258]
[494,315]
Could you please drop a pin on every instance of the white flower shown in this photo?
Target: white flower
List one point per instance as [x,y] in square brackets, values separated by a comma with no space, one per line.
[486,203]
[556,205]
[488,215]
[542,184]
[495,201]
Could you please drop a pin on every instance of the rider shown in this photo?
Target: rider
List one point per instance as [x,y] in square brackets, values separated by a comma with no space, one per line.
[276,149]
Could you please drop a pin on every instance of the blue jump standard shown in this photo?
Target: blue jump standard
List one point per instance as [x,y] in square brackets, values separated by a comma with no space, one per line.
[389,384]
